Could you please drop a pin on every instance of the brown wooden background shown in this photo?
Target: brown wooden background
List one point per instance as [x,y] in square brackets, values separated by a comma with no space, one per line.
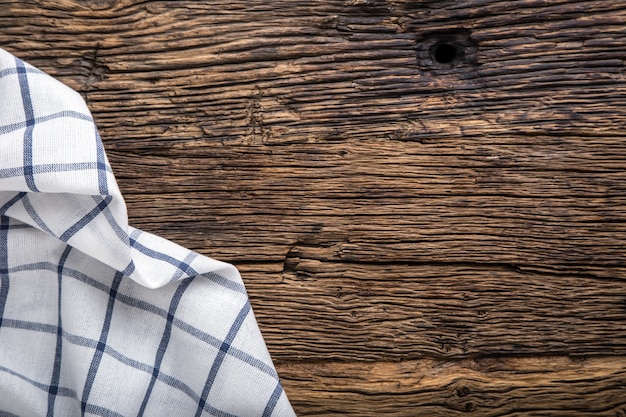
[417,238]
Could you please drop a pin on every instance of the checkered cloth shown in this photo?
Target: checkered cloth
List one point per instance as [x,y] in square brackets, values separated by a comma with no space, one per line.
[96,317]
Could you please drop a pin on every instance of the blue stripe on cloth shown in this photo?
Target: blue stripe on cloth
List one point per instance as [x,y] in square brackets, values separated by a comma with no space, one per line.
[226,283]
[30,325]
[72,273]
[158,255]
[102,165]
[117,229]
[216,412]
[271,403]
[30,123]
[58,355]
[129,269]
[19,226]
[4,253]
[13,70]
[4,265]
[33,215]
[86,219]
[17,197]
[221,354]
[101,411]
[47,168]
[65,114]
[100,347]
[166,333]
[61,392]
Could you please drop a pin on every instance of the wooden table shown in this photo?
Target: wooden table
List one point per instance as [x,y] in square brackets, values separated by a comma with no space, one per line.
[426,199]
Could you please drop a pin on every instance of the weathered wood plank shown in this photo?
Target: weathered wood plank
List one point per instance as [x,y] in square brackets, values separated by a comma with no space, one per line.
[546,386]
[381,205]
[398,312]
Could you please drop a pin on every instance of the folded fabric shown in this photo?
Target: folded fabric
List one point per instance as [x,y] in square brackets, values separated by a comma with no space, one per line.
[97,317]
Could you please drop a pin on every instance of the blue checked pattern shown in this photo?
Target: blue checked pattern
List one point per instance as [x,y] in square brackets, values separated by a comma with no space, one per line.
[97,317]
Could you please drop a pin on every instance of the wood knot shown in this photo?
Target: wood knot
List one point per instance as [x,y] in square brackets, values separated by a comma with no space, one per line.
[442,51]
[462,392]
[98,5]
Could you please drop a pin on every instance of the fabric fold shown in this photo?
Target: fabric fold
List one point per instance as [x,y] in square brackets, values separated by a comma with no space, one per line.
[71,173]
[116,321]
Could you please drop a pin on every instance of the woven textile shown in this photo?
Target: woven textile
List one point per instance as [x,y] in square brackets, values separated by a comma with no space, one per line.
[97,317]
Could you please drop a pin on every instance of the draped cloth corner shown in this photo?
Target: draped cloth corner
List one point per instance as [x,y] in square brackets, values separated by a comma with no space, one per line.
[97,317]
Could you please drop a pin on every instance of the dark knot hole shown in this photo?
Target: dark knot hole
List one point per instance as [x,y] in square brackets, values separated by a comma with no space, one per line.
[445,53]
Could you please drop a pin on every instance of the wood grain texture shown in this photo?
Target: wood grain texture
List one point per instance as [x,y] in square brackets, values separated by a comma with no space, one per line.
[545,386]
[406,228]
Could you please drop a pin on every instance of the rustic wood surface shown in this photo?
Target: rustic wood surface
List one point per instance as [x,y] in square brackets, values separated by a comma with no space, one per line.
[426,199]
